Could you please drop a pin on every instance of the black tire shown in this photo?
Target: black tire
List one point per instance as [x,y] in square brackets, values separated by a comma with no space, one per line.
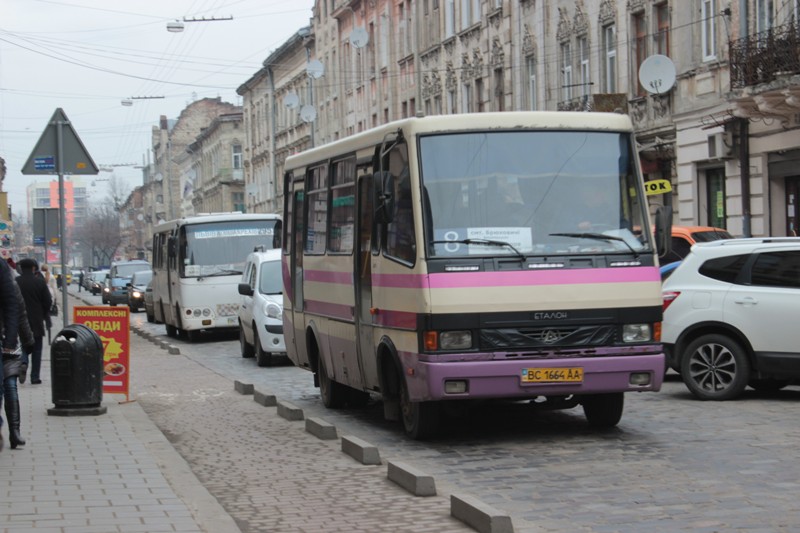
[193,335]
[246,349]
[150,317]
[262,358]
[172,331]
[715,367]
[420,419]
[333,393]
[603,410]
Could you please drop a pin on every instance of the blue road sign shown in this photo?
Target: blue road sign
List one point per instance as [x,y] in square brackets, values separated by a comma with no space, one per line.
[44,163]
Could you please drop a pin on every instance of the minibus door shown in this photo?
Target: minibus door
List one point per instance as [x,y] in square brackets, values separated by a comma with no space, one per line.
[365,221]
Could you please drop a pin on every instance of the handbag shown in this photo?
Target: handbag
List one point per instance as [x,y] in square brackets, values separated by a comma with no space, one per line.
[54,309]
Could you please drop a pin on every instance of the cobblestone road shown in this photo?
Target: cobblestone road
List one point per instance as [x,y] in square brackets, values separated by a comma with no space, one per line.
[673,463]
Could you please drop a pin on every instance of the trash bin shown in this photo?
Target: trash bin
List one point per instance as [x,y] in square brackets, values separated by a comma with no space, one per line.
[76,371]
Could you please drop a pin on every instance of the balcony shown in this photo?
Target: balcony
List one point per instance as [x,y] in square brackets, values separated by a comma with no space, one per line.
[765,57]
[765,74]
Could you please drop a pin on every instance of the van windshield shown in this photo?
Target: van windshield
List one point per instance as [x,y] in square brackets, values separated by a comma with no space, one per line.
[126,271]
[270,280]
[532,192]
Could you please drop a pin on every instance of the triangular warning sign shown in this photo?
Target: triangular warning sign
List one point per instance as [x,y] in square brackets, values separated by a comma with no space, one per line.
[50,158]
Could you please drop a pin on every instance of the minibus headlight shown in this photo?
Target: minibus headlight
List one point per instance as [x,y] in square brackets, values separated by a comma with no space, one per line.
[636,333]
[206,312]
[197,313]
[273,310]
[455,340]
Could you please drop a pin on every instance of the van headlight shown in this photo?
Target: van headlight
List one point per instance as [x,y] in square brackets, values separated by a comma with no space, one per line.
[455,340]
[273,310]
[637,333]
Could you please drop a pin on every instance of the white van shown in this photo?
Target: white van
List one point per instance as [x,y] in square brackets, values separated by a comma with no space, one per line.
[261,307]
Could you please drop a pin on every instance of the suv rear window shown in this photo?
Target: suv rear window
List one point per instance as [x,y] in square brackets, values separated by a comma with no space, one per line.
[777,269]
[725,269]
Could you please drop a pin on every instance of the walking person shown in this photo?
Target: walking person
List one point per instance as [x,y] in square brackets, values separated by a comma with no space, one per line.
[9,319]
[37,302]
[15,367]
[80,281]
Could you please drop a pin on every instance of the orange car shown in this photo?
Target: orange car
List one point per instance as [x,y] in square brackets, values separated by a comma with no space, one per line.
[683,237]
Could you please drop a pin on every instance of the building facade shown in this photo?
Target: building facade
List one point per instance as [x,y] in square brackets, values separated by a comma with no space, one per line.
[718,117]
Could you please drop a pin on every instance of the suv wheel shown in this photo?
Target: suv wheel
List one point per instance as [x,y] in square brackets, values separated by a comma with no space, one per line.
[715,367]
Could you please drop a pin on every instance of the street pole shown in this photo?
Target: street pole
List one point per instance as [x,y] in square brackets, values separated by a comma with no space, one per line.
[62,218]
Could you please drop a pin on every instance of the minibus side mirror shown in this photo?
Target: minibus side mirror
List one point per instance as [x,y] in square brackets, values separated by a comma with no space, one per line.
[384,200]
[663,233]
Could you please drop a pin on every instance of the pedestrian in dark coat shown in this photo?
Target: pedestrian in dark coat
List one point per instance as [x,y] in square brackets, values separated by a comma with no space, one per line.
[9,320]
[15,366]
[37,303]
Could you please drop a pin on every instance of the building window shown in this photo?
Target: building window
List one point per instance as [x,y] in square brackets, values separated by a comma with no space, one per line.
[451,102]
[661,42]
[479,95]
[566,71]
[499,90]
[470,13]
[585,76]
[238,202]
[530,72]
[449,18]
[639,49]
[610,58]
[765,15]
[708,37]
[466,98]
[237,156]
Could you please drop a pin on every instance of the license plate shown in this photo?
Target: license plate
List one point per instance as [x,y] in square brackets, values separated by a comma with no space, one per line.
[552,375]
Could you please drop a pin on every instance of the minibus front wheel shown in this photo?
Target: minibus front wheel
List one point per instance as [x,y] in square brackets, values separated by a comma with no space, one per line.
[420,419]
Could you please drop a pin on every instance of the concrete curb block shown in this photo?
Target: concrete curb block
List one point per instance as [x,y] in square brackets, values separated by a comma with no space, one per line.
[243,388]
[174,350]
[163,344]
[362,451]
[267,400]
[411,479]
[321,429]
[289,411]
[479,516]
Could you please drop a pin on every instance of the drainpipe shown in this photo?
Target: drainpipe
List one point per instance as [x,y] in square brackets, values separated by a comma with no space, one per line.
[272,165]
[744,166]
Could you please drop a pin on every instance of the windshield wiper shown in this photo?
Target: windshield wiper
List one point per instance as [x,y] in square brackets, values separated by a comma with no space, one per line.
[483,242]
[226,272]
[598,237]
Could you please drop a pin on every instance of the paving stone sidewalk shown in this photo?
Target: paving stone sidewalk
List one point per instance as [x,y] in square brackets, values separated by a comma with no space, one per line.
[191,454]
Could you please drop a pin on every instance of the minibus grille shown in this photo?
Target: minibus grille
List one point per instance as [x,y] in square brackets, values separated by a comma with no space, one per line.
[547,337]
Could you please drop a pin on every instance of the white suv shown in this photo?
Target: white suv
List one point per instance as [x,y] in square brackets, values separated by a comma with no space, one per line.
[730,316]
[261,309]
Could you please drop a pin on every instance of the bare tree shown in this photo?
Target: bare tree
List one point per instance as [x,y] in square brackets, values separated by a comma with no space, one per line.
[100,235]
[118,190]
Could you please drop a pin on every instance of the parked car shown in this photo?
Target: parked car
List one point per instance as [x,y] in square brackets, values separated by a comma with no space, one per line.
[148,302]
[683,237]
[136,289]
[95,281]
[730,316]
[261,307]
[120,274]
[667,270]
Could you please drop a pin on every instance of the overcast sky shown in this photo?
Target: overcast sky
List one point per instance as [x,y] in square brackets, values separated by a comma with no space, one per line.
[86,56]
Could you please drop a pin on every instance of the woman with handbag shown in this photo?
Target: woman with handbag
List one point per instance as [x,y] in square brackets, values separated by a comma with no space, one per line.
[15,367]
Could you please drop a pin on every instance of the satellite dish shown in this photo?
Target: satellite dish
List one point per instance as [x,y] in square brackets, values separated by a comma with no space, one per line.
[158,177]
[657,74]
[359,37]
[291,100]
[315,68]
[140,217]
[308,113]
